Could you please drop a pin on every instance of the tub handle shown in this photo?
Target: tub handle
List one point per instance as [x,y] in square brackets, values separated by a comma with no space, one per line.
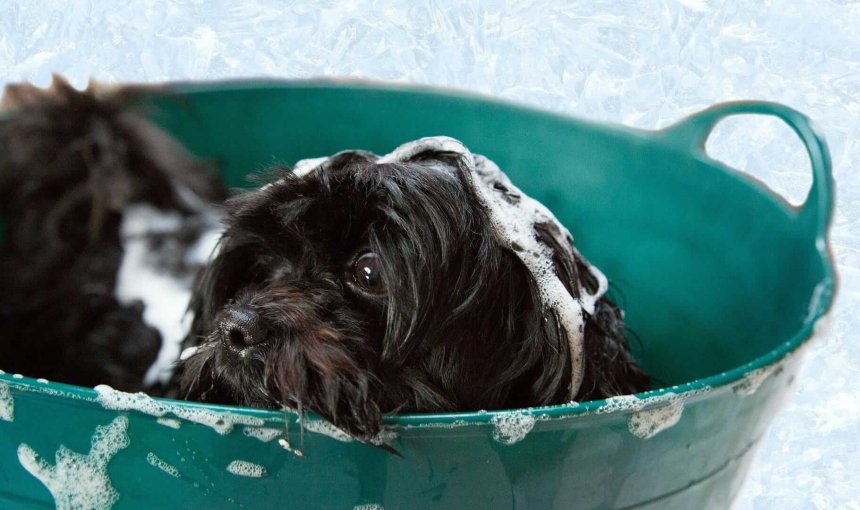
[817,209]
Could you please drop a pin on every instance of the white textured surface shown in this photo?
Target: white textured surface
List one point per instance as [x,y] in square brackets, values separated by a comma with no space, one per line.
[644,64]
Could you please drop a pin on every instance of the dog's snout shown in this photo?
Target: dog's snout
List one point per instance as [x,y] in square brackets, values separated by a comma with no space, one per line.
[241,328]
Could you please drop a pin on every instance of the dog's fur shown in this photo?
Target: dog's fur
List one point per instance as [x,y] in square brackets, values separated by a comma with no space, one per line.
[70,163]
[458,327]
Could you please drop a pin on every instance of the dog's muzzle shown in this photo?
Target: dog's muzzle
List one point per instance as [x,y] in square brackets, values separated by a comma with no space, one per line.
[240,328]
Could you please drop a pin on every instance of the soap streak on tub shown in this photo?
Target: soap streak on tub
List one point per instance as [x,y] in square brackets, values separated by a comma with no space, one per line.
[651,415]
[80,481]
[162,465]
[647,423]
[263,434]
[220,422]
[7,403]
[245,468]
[512,427]
[754,379]
[326,428]
[169,422]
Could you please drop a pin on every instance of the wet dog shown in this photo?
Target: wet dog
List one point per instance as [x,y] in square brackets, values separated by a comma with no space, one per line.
[422,281]
[107,224]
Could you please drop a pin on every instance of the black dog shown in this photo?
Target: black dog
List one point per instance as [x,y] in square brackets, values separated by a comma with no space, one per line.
[103,212]
[423,281]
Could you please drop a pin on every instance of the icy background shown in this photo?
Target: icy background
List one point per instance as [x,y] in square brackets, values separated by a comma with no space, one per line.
[645,64]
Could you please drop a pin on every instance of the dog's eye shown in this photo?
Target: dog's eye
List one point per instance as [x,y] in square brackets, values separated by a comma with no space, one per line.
[367,272]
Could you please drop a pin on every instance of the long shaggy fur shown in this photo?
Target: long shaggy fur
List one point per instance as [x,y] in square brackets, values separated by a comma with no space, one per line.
[70,162]
[460,325]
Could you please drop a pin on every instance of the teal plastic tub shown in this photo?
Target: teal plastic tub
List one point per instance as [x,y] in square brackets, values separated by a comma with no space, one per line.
[723,281]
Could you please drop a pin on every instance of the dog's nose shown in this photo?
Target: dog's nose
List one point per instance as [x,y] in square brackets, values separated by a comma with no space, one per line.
[240,328]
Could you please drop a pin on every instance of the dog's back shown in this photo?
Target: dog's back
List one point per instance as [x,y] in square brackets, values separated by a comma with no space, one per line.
[71,164]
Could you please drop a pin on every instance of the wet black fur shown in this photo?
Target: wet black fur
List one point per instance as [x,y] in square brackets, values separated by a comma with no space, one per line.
[69,162]
[461,327]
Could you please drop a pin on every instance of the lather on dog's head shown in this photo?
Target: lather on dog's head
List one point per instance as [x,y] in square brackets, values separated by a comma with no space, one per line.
[370,286]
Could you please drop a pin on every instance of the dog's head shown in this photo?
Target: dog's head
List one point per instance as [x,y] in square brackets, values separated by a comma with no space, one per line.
[369,285]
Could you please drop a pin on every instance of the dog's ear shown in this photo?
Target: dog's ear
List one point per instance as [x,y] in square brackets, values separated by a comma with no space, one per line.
[610,369]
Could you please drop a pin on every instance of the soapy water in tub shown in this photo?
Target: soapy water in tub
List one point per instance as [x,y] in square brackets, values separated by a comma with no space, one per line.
[79,481]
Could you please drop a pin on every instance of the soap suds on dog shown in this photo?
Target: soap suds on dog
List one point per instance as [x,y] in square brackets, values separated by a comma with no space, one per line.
[79,481]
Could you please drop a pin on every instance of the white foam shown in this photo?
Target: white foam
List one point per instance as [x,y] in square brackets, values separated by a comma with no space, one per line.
[263,434]
[620,403]
[220,422]
[751,382]
[514,215]
[188,352]
[439,425]
[385,436]
[326,428]
[41,380]
[648,423]
[650,415]
[512,427]
[306,166]
[368,506]
[245,468]
[162,465]
[17,376]
[815,301]
[7,403]
[515,222]
[169,422]
[80,481]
